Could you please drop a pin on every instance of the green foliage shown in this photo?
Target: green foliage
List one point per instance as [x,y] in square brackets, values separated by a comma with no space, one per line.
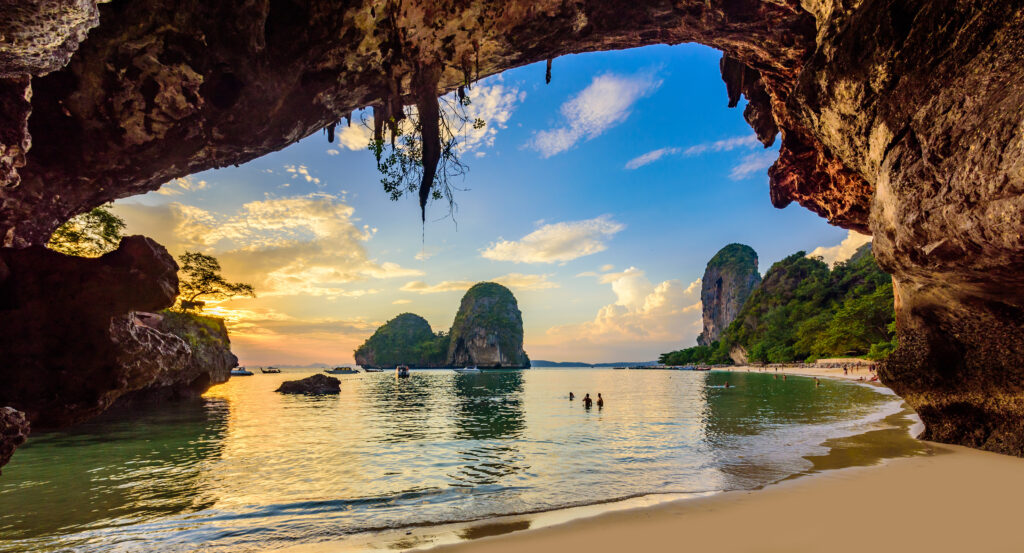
[804,311]
[90,234]
[200,332]
[406,339]
[734,256]
[491,306]
[400,160]
[200,277]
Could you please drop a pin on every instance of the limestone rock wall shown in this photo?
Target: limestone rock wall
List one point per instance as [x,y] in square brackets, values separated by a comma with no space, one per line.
[488,329]
[728,279]
[59,362]
[184,354]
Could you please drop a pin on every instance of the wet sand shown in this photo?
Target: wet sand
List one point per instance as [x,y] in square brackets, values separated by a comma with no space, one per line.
[953,499]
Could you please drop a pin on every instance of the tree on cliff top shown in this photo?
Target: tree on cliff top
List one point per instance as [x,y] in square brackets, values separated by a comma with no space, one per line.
[201,278]
[90,234]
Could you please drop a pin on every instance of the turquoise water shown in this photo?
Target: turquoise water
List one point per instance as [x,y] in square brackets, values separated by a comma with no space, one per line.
[246,469]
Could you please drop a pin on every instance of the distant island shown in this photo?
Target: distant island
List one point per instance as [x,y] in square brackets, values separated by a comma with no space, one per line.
[542,363]
[801,311]
[487,333]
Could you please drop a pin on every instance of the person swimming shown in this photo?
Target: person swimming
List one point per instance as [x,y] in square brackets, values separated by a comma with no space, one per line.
[571,396]
[600,400]
[587,401]
[727,384]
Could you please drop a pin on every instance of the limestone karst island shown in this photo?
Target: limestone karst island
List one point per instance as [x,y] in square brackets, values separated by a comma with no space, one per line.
[270,270]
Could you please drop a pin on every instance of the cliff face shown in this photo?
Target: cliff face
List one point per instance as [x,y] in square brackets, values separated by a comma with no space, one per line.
[488,329]
[884,128]
[60,322]
[729,278]
[405,340]
[185,353]
[487,332]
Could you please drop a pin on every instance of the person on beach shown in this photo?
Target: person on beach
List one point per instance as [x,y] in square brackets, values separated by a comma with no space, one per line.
[600,400]
[571,396]
[587,401]
[845,371]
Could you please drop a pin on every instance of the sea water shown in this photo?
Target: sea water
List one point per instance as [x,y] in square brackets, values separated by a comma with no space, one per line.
[247,469]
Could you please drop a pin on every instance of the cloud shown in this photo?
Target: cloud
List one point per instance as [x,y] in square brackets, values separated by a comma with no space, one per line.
[606,268]
[842,251]
[752,163]
[650,157]
[301,171]
[494,104]
[515,281]
[605,103]
[558,242]
[333,151]
[645,319]
[297,245]
[401,302]
[355,136]
[724,145]
[177,187]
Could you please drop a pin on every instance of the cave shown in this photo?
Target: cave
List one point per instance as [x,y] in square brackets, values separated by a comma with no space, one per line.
[898,119]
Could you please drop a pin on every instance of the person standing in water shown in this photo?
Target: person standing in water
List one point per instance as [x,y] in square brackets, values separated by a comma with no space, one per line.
[587,401]
[571,396]
[600,400]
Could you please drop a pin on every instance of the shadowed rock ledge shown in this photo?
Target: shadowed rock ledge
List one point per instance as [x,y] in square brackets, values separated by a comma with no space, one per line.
[897,118]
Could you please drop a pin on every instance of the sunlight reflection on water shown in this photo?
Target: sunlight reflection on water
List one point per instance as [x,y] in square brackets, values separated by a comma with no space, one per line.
[247,469]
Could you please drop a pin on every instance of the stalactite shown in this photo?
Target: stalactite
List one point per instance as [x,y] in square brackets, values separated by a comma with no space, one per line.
[348,119]
[547,73]
[426,79]
[330,132]
[378,128]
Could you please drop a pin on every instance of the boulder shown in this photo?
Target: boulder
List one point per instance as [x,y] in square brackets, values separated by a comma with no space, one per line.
[318,384]
[14,428]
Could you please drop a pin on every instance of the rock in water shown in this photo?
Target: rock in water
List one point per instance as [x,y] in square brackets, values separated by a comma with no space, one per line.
[316,385]
[405,340]
[488,329]
[186,352]
[13,432]
[728,280]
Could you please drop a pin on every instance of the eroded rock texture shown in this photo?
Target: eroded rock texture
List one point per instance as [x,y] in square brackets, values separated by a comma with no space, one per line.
[898,118]
[184,353]
[60,361]
[729,278]
[14,428]
[316,385]
[488,330]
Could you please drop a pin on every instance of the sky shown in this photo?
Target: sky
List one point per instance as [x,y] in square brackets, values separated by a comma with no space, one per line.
[597,199]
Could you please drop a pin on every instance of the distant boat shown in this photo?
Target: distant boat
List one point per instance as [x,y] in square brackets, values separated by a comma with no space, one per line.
[240,371]
[467,370]
[402,371]
[373,370]
[341,370]
[269,370]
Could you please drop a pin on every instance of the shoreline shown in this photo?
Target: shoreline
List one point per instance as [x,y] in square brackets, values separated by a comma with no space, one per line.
[904,504]
[877,442]
[855,375]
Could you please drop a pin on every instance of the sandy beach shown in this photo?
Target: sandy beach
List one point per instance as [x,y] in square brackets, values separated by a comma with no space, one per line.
[952,500]
[854,374]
